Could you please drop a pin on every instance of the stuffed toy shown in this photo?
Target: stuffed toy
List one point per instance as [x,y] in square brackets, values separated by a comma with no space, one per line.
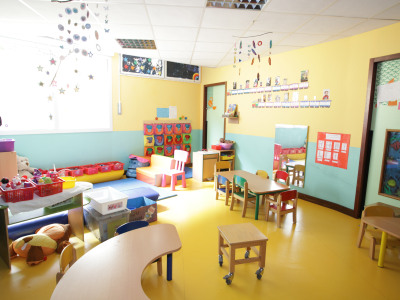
[47,240]
[23,167]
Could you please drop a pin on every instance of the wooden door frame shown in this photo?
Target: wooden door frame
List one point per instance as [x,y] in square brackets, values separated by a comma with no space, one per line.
[363,165]
[204,142]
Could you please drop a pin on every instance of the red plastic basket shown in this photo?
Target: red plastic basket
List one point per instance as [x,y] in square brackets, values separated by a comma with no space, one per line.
[90,169]
[116,165]
[48,189]
[75,171]
[103,167]
[18,195]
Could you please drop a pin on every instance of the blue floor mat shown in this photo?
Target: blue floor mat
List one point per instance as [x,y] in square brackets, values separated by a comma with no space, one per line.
[131,183]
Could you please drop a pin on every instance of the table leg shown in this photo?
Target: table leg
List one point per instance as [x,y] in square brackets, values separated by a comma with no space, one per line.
[169,267]
[382,251]
[75,219]
[257,202]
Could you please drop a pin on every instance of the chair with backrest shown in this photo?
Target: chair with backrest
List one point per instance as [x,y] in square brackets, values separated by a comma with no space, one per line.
[282,177]
[136,225]
[222,186]
[67,259]
[283,160]
[298,175]
[375,235]
[280,205]
[180,158]
[264,175]
[241,195]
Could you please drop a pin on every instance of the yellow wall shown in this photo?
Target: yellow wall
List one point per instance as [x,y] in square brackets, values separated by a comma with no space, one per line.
[140,98]
[341,66]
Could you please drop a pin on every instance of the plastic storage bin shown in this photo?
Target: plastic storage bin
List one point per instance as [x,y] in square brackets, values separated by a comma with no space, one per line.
[116,165]
[18,195]
[107,200]
[90,169]
[48,189]
[75,171]
[6,145]
[104,167]
[104,226]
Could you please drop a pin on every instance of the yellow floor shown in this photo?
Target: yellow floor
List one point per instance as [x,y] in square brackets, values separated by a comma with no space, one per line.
[315,259]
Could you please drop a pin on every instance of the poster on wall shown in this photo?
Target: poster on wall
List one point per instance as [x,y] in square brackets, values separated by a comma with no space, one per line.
[142,66]
[333,149]
[183,71]
[389,185]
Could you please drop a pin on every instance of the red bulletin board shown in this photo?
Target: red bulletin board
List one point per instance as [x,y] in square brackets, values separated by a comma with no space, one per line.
[333,149]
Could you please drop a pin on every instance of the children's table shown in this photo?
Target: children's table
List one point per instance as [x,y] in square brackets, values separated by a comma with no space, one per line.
[237,236]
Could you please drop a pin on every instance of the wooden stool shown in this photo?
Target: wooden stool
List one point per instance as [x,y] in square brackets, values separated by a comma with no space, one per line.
[241,236]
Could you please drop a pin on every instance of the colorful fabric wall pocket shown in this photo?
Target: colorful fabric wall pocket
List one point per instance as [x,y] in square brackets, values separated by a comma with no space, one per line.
[177,128]
[177,139]
[187,138]
[148,140]
[159,150]
[168,128]
[169,150]
[187,147]
[168,139]
[148,151]
[187,128]
[159,140]
[148,129]
[158,129]
[178,147]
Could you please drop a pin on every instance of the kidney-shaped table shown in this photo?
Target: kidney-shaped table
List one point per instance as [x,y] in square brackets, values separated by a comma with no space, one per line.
[113,269]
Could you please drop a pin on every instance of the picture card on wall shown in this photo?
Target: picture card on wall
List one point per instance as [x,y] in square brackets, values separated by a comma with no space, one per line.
[149,140]
[148,129]
[168,128]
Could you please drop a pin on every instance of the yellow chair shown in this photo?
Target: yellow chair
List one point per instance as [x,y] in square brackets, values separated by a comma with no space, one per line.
[243,195]
[280,205]
[262,174]
[375,235]
[221,185]
[67,259]
[298,175]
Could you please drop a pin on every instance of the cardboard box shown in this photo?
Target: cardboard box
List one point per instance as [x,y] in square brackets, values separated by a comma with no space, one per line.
[142,209]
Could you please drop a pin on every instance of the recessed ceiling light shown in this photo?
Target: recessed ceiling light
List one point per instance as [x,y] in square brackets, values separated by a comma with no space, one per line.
[137,44]
[238,4]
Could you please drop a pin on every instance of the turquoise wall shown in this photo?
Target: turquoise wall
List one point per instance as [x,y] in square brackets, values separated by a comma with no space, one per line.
[332,184]
[72,149]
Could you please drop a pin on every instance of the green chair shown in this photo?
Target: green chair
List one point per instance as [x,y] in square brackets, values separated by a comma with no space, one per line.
[243,194]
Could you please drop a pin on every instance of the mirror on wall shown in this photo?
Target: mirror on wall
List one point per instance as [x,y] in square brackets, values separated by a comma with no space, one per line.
[290,151]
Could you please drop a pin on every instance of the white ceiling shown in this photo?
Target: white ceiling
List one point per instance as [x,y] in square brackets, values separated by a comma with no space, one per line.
[187,31]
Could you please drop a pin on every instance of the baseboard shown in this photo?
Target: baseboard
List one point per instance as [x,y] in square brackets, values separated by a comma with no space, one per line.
[324,203]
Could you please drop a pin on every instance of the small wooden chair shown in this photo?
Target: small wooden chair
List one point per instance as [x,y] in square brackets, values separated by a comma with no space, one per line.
[375,235]
[282,177]
[136,225]
[298,175]
[262,174]
[221,184]
[243,195]
[180,158]
[280,205]
[67,259]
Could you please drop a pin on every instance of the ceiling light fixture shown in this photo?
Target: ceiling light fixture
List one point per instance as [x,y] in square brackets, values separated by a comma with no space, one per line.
[237,4]
[137,44]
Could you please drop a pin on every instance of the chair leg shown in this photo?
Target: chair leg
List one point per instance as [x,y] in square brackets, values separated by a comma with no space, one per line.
[183,181]
[361,233]
[173,182]
[295,216]
[263,200]
[226,197]
[159,266]
[232,202]
[267,212]
[244,208]
[278,218]
[372,248]
[163,182]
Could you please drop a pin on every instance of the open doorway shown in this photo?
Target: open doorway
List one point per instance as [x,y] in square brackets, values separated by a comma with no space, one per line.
[214,105]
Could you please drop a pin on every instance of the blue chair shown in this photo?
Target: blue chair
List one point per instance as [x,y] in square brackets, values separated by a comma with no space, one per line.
[130,226]
[136,225]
